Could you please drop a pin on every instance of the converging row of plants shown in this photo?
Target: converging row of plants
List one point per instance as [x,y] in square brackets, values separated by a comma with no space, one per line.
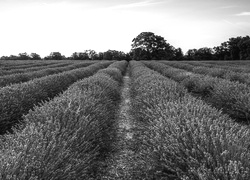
[27,76]
[33,68]
[232,66]
[67,137]
[66,125]
[230,97]
[12,65]
[180,136]
[18,99]
[225,73]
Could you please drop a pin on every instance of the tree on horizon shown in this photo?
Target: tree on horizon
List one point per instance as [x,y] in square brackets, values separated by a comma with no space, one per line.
[148,46]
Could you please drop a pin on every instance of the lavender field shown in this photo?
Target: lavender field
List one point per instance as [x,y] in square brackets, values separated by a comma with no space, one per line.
[66,119]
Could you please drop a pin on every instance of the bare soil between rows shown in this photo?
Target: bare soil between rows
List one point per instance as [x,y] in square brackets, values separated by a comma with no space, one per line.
[120,165]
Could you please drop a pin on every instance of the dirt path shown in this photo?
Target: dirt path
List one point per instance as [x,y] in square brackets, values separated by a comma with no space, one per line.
[120,165]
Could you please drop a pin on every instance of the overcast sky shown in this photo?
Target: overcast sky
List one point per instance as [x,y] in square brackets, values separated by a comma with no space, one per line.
[68,26]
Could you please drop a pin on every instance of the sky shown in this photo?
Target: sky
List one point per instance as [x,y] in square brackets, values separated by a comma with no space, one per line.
[68,26]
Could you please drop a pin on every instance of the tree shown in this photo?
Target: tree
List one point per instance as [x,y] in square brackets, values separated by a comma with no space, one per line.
[79,56]
[190,55]
[114,55]
[55,56]
[95,57]
[139,53]
[86,55]
[23,56]
[74,56]
[100,56]
[4,58]
[234,48]
[178,54]
[244,46]
[128,56]
[222,52]
[107,55]
[13,57]
[35,56]
[204,53]
[91,54]
[149,46]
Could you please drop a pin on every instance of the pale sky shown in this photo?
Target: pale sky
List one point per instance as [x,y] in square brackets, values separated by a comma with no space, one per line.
[67,26]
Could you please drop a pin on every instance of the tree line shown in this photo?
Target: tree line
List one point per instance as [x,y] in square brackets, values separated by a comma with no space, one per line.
[148,46]
[85,55]
[234,49]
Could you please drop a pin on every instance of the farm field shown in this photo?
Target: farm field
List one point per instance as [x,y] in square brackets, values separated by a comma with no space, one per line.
[124,120]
